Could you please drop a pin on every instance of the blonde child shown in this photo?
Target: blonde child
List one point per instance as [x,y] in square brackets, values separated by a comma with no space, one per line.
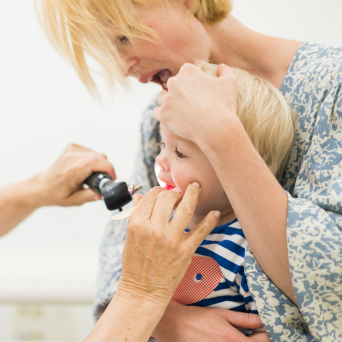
[216,276]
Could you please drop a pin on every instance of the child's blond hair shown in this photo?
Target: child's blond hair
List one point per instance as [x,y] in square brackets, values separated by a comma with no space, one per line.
[78,28]
[265,115]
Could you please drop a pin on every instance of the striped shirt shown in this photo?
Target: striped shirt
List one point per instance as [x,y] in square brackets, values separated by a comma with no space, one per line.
[216,276]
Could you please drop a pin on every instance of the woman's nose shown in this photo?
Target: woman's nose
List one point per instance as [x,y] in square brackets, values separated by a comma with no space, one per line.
[131,66]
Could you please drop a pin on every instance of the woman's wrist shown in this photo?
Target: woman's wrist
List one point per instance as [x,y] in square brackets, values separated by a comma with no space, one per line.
[129,317]
[33,192]
[28,193]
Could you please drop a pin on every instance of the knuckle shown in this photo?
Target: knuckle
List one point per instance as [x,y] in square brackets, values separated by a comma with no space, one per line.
[170,83]
[232,79]
[66,175]
[155,191]
[186,210]
[92,159]
[70,147]
[167,195]
[186,67]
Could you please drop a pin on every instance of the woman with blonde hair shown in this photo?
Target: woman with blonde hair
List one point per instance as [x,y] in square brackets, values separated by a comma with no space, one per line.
[293,227]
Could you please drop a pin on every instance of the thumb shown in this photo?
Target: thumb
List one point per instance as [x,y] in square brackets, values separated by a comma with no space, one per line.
[137,198]
[82,196]
[224,70]
[202,229]
[242,319]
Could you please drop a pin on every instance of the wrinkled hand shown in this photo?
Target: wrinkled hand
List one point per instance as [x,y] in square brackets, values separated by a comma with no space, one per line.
[62,184]
[157,252]
[197,105]
[182,323]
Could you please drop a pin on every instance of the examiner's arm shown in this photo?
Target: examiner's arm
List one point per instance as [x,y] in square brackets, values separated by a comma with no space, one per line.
[61,185]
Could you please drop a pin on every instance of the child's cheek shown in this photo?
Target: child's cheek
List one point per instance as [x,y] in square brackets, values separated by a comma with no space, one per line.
[182,179]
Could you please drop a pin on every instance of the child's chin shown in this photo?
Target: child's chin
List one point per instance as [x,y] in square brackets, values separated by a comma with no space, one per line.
[176,189]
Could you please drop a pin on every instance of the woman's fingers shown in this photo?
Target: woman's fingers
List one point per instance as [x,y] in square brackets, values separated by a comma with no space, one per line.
[156,113]
[136,198]
[186,207]
[160,97]
[144,208]
[242,319]
[164,206]
[202,229]
[156,110]
[224,70]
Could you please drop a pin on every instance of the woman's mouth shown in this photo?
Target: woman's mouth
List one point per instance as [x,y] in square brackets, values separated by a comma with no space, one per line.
[161,78]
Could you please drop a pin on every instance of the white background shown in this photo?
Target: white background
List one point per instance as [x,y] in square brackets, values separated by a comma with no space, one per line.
[53,255]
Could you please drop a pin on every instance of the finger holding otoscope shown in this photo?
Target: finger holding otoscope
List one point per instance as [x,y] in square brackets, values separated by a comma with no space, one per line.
[115,195]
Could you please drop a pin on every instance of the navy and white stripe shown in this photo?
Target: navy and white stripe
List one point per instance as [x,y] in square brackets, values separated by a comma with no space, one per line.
[226,245]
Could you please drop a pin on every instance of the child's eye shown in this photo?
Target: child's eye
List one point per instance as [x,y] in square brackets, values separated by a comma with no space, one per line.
[161,144]
[180,155]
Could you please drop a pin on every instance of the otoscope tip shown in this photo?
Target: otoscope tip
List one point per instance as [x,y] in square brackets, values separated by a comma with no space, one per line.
[133,188]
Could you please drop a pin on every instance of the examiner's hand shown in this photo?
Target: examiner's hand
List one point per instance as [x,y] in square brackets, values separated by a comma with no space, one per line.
[157,251]
[155,258]
[198,106]
[62,184]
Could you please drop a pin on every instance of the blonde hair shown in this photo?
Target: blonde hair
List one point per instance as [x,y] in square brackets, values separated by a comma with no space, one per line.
[77,28]
[265,115]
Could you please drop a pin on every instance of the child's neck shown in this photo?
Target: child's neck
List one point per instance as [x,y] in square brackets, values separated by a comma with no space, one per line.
[226,217]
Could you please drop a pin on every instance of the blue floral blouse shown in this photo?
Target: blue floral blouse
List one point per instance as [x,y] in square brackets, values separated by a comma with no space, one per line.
[313,182]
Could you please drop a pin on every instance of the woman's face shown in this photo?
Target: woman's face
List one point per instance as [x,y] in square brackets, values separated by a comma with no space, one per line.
[181,163]
[183,39]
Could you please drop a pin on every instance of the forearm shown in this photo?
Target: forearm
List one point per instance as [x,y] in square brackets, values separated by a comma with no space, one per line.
[258,200]
[18,201]
[127,319]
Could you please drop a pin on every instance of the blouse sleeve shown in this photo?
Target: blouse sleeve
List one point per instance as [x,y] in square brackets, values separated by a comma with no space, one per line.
[315,256]
[314,223]
[115,234]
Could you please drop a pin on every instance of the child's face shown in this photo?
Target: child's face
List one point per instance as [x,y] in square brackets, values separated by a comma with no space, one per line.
[181,162]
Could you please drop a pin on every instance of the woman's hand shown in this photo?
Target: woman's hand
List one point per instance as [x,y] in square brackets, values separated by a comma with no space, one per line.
[198,105]
[62,184]
[162,250]
[155,258]
[182,323]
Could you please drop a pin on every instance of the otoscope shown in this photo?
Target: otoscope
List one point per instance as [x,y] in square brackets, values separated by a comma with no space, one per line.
[115,195]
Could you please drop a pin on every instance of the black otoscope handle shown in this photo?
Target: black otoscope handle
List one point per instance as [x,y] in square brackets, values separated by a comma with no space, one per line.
[115,195]
[93,181]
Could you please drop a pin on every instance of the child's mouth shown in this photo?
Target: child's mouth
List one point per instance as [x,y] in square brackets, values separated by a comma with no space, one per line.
[169,187]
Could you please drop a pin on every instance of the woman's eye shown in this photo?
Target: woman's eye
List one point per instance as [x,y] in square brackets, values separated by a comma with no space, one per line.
[123,40]
[180,155]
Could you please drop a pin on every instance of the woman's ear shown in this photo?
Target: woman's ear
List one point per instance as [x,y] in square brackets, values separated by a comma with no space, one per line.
[189,3]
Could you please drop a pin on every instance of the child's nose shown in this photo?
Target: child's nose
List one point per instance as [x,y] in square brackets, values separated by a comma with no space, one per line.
[161,160]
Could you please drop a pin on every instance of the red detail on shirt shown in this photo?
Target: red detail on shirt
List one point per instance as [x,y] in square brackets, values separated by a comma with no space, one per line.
[192,290]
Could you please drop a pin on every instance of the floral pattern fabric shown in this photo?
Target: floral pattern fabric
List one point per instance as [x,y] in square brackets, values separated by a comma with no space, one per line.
[313,181]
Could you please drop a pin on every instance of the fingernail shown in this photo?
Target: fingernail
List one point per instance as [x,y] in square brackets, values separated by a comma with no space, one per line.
[217,214]
[196,184]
